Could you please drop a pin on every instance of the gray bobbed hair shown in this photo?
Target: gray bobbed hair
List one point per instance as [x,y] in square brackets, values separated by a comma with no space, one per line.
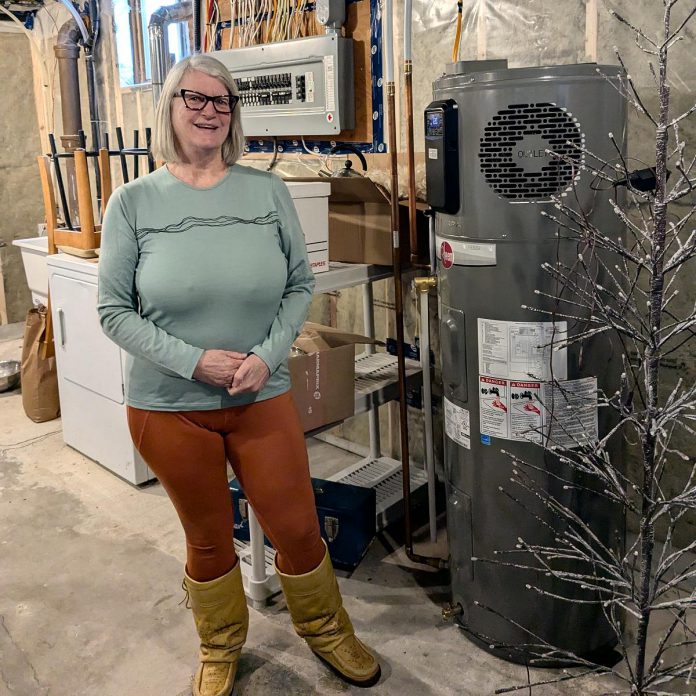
[164,141]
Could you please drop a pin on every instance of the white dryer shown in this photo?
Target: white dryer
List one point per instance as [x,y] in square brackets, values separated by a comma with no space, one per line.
[90,372]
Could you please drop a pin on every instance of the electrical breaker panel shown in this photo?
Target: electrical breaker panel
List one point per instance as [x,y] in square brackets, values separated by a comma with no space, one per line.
[299,87]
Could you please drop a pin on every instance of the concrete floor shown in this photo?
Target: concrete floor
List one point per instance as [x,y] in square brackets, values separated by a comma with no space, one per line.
[90,603]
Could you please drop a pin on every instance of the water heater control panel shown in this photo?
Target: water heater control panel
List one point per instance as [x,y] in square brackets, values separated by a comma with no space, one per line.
[442,155]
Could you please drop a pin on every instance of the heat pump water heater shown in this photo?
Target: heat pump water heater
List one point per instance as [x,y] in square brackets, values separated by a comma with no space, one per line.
[489,176]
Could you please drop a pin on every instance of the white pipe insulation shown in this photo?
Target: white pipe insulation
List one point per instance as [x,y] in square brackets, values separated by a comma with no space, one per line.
[388,30]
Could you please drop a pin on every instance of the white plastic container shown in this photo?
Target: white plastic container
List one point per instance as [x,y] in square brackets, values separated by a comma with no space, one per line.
[311,201]
[34,252]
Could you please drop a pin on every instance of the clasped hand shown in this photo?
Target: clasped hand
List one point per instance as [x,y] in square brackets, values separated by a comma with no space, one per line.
[236,372]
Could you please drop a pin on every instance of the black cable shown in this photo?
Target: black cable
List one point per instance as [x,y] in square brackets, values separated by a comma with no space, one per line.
[275,155]
[136,160]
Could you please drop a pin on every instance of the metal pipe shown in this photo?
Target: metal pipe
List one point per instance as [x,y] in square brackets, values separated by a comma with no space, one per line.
[410,146]
[121,156]
[90,58]
[159,53]
[398,302]
[148,145]
[94,116]
[67,51]
[432,252]
[59,181]
[411,164]
[138,51]
[92,96]
[159,42]
[136,159]
[423,286]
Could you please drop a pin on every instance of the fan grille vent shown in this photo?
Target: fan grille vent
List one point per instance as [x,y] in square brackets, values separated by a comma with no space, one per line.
[512,151]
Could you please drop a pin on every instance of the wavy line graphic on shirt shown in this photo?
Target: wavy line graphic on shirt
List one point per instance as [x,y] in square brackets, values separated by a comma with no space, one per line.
[188,223]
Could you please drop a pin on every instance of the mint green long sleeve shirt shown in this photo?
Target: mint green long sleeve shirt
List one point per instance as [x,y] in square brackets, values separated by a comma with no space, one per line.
[184,269]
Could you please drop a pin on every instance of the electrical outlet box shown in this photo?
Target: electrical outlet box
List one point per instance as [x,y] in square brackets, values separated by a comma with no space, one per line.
[299,87]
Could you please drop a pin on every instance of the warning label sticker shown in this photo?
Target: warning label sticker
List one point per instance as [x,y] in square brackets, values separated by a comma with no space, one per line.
[457,426]
[522,350]
[526,419]
[565,412]
[494,406]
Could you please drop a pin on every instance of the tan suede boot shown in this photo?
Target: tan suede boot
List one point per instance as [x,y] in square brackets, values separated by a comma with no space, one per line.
[318,616]
[222,620]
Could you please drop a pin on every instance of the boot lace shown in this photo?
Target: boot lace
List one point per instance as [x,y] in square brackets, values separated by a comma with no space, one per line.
[187,597]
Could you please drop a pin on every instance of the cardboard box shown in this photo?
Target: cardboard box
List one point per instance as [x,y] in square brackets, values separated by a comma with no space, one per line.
[360,229]
[322,372]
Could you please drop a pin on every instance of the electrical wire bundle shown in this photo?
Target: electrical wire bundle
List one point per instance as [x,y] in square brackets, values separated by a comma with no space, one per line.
[211,24]
[253,22]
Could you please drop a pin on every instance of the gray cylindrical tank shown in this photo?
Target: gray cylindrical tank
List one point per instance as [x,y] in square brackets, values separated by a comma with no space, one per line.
[490,255]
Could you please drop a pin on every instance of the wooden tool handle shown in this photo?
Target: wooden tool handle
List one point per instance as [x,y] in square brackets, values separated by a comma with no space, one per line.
[84,192]
[84,202]
[49,199]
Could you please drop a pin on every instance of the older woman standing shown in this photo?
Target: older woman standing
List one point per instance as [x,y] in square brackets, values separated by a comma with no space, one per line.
[204,281]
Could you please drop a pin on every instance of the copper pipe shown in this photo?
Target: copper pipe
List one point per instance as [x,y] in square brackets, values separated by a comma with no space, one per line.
[411,157]
[137,50]
[401,358]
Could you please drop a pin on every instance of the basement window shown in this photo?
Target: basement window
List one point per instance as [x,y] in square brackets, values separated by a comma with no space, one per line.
[131,20]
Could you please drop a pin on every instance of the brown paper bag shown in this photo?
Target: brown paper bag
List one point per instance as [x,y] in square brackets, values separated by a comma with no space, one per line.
[39,375]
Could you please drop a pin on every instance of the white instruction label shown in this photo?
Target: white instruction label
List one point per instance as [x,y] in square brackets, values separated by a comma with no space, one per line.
[494,406]
[309,87]
[457,425]
[522,350]
[570,411]
[330,81]
[432,153]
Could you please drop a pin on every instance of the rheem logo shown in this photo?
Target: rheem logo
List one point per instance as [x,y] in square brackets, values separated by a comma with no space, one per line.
[446,255]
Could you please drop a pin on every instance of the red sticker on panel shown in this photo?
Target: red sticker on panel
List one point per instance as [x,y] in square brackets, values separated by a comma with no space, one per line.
[446,255]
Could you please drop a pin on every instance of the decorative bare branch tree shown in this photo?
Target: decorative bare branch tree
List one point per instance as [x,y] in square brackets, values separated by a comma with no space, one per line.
[628,288]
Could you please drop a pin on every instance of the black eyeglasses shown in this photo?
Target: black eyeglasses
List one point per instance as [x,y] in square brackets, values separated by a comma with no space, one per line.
[223,103]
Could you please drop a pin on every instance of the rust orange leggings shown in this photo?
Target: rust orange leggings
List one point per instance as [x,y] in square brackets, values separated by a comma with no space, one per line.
[264,443]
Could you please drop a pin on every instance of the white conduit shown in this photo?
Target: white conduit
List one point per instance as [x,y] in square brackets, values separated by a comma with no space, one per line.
[258,577]
[388,29]
[408,22]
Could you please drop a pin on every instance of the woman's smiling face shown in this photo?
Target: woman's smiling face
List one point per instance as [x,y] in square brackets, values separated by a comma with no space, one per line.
[199,132]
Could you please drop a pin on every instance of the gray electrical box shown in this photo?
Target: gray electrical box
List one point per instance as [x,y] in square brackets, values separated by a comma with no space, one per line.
[299,87]
[331,13]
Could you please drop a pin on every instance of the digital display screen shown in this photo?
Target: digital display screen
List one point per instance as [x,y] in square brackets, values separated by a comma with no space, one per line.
[434,123]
